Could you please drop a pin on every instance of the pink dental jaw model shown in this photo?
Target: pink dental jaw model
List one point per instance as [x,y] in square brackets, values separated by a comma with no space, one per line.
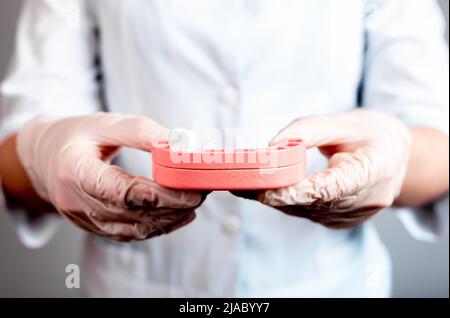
[241,169]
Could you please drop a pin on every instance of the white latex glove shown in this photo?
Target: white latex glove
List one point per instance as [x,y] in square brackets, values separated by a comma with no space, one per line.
[67,161]
[368,155]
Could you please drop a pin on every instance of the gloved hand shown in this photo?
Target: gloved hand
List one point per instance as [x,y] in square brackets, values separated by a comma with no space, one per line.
[367,156]
[67,161]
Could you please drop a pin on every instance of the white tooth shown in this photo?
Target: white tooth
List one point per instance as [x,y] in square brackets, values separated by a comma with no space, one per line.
[182,140]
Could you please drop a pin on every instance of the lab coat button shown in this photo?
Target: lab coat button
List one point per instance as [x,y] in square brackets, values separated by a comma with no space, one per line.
[229,95]
[232,224]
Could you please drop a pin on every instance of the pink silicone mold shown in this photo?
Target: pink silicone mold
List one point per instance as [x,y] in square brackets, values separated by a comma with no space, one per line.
[241,169]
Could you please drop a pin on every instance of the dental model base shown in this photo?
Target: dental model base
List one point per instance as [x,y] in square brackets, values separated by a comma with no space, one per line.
[241,169]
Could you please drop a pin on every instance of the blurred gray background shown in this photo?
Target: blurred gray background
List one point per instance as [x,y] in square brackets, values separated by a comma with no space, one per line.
[420,269]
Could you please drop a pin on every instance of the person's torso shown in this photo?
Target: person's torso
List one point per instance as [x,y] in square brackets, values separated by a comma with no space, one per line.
[230,64]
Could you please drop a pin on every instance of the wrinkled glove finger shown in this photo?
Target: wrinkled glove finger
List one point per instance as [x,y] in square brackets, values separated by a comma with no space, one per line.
[345,177]
[83,222]
[114,187]
[139,230]
[130,131]
[107,212]
[186,219]
[147,193]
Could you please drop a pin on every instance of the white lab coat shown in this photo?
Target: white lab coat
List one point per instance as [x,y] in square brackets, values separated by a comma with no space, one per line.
[239,64]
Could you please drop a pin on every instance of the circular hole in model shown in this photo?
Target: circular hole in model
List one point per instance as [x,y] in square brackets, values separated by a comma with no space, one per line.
[214,150]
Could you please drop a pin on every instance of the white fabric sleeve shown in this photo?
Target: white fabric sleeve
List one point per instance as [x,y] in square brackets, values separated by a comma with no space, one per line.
[33,232]
[407,74]
[52,73]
